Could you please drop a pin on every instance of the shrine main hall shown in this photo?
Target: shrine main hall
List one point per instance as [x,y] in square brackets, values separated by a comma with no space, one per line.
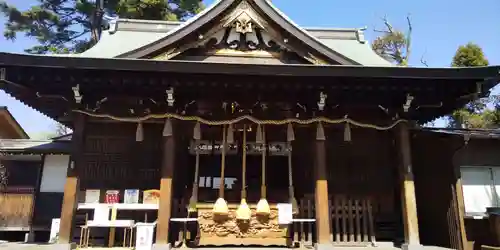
[240,128]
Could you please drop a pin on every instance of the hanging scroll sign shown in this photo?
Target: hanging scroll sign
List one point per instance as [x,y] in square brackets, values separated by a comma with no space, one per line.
[254,148]
[207,147]
[202,146]
[279,148]
[232,148]
[274,148]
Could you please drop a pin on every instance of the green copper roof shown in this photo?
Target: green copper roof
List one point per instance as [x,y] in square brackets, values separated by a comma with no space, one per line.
[127,35]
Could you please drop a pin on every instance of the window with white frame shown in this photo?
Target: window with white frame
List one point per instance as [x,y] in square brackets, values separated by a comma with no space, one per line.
[481,187]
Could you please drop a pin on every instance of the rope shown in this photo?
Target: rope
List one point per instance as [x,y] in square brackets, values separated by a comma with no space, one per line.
[223,163]
[263,187]
[239,119]
[194,195]
[291,193]
[244,164]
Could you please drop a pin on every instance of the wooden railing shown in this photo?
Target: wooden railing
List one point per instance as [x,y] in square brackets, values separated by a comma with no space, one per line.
[304,233]
[351,222]
[15,210]
[180,232]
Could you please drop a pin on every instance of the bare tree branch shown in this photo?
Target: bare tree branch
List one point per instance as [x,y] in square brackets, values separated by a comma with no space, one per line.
[393,44]
[408,38]
[388,25]
[423,61]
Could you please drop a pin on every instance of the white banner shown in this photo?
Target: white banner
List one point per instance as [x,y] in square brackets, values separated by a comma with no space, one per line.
[144,236]
[285,213]
[54,230]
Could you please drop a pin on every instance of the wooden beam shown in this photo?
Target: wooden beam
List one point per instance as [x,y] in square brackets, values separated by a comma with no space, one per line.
[321,194]
[71,187]
[167,174]
[460,203]
[408,198]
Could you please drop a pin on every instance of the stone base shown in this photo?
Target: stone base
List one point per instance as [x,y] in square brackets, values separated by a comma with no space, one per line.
[69,246]
[161,247]
[323,246]
[412,247]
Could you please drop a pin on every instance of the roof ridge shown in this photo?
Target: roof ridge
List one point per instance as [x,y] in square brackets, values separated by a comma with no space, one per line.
[150,21]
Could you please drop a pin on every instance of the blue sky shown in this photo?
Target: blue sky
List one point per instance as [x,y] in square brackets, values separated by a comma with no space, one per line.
[439,27]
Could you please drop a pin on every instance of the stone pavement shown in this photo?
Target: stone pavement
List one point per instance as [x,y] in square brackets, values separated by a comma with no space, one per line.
[23,246]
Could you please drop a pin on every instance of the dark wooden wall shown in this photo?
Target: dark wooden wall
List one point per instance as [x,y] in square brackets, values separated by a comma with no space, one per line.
[478,152]
[22,174]
[366,167]
[435,180]
[115,160]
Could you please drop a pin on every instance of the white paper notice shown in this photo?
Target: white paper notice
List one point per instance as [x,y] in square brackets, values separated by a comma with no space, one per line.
[144,236]
[54,230]
[285,213]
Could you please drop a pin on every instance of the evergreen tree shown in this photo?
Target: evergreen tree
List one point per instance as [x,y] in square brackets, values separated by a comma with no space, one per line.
[469,55]
[476,114]
[68,26]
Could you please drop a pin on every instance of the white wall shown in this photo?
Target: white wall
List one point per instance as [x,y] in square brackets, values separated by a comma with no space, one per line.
[54,173]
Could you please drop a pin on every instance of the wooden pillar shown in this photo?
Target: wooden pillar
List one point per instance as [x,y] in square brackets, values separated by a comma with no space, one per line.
[461,212]
[36,194]
[408,198]
[167,174]
[71,187]
[321,192]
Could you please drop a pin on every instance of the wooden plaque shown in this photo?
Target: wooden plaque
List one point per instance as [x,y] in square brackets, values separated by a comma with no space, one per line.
[92,195]
[112,196]
[151,196]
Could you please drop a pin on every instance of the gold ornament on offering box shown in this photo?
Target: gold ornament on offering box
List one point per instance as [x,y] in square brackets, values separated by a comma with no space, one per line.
[262,230]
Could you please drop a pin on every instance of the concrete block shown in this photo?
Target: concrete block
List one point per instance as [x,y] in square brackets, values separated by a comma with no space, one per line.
[58,246]
[161,246]
[323,246]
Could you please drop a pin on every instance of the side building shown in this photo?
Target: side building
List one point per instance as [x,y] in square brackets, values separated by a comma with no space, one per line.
[32,174]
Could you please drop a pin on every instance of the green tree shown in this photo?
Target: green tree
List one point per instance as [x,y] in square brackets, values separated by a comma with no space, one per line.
[69,26]
[475,114]
[469,55]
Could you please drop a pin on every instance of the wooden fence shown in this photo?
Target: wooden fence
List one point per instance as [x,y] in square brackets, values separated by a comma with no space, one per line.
[351,221]
[15,210]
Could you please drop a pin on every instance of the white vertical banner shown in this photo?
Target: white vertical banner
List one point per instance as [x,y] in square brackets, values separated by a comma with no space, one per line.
[285,213]
[144,236]
[496,182]
[477,186]
[54,230]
